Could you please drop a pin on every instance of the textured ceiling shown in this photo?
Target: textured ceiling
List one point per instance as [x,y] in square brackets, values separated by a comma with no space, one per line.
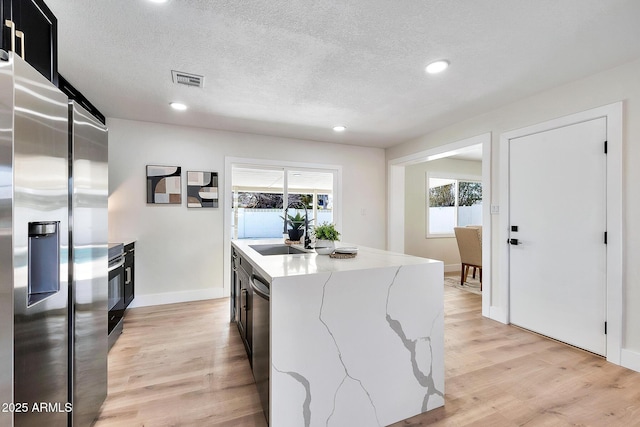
[295,68]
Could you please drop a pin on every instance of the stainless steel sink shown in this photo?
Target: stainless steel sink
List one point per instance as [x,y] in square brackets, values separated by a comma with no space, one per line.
[277,249]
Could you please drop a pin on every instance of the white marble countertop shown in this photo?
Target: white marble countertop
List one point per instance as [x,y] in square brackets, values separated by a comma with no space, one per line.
[272,266]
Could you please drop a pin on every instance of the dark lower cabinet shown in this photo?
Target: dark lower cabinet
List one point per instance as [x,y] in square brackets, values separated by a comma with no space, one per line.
[234,297]
[30,29]
[250,310]
[242,299]
[129,273]
[245,324]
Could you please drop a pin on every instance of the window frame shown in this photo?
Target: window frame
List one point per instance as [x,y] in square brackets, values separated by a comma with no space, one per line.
[457,177]
[287,169]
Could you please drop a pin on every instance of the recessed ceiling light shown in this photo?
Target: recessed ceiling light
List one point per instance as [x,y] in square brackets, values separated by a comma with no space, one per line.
[339,128]
[158,1]
[178,106]
[437,66]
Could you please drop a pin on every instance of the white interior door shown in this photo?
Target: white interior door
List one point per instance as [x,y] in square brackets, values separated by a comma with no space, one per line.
[557,201]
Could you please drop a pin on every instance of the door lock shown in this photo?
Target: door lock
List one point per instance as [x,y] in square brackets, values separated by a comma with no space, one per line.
[513,242]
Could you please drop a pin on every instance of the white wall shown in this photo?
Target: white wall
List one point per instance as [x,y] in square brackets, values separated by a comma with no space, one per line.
[179,251]
[415,241]
[621,83]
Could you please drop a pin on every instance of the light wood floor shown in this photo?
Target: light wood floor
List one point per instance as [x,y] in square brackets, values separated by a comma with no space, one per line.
[184,365]
[180,365]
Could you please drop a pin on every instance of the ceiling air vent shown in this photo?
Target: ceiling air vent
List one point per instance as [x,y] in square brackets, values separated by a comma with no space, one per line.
[187,79]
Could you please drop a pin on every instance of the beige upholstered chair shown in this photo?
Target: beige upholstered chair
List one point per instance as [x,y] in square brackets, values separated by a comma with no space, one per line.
[479,228]
[470,247]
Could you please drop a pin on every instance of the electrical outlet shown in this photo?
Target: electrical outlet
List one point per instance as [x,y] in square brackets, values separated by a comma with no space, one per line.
[495,209]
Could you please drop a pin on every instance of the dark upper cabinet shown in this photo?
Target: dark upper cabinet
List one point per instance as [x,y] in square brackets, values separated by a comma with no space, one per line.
[75,95]
[31,30]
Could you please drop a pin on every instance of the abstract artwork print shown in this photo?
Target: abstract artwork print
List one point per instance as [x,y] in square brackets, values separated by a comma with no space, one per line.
[202,189]
[164,184]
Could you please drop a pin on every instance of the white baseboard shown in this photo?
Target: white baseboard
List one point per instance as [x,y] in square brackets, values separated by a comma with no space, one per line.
[175,297]
[452,267]
[630,359]
[498,314]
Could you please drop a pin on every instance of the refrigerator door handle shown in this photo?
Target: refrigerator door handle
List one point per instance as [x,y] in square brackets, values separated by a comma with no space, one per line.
[12,26]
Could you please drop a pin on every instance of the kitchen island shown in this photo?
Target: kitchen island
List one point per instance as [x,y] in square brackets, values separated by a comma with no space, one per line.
[352,341]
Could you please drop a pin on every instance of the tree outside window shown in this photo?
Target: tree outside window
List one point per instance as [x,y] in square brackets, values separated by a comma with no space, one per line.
[261,200]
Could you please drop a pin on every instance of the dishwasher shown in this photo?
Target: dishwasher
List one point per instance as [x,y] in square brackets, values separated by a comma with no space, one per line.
[260,355]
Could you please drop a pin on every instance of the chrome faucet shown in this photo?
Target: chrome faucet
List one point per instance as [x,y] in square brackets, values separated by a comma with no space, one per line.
[307,239]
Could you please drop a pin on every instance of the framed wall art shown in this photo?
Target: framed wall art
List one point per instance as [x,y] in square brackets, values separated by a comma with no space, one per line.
[202,189]
[164,185]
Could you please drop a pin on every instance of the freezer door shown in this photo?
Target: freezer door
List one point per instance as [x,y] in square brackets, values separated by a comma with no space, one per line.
[89,193]
[40,248]
[6,227]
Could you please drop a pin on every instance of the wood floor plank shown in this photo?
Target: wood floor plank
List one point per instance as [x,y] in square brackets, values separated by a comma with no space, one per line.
[185,365]
[180,365]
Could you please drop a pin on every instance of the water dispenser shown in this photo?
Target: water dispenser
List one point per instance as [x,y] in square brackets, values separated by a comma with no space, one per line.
[44,260]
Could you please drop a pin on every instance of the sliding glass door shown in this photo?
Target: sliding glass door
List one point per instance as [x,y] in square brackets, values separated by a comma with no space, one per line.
[260,192]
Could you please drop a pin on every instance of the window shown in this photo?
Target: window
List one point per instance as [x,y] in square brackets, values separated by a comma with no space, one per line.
[452,202]
[259,192]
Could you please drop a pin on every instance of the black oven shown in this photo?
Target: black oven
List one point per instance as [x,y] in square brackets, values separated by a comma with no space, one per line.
[116,290]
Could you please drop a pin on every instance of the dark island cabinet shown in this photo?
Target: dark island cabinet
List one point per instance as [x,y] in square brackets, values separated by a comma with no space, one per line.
[30,29]
[235,287]
[242,299]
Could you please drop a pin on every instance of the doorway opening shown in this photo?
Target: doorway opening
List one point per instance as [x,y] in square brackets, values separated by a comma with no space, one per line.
[405,210]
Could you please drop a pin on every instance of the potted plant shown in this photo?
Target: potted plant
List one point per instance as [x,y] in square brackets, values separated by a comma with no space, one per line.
[326,235]
[296,226]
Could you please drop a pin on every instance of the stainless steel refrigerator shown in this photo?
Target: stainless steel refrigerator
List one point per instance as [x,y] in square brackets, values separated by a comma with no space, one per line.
[43,321]
[89,189]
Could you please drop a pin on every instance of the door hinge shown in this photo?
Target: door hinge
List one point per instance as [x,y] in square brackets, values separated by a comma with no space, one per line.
[605,328]
[605,237]
[606,148]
